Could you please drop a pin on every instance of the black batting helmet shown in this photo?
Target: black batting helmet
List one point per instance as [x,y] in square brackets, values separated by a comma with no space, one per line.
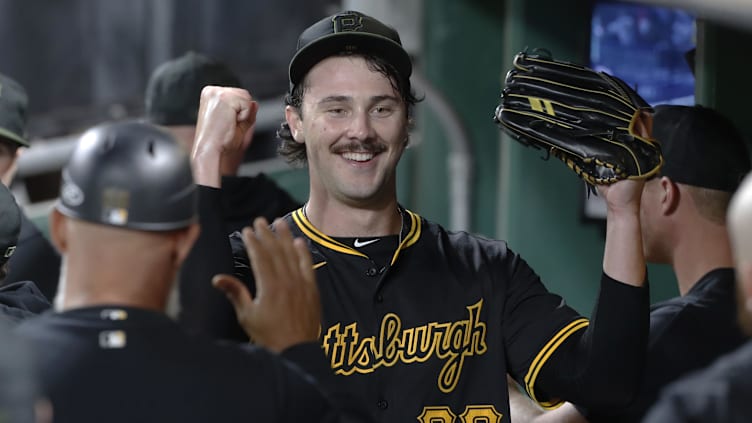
[132,175]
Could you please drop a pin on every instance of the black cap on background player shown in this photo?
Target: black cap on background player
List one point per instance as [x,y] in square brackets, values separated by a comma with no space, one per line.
[702,147]
[174,88]
[132,175]
[13,106]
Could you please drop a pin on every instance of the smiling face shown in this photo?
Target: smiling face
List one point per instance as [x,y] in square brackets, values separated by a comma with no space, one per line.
[354,125]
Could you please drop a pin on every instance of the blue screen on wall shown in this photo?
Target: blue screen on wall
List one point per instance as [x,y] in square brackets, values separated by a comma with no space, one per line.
[647,47]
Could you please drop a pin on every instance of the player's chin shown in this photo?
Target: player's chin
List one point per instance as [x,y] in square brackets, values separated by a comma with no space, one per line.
[362,191]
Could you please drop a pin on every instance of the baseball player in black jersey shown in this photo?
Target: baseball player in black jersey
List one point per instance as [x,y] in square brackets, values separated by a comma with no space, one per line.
[421,323]
[23,299]
[721,392]
[683,216]
[35,259]
[125,220]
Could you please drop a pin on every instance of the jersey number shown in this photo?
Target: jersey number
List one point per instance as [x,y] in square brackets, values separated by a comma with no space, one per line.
[472,414]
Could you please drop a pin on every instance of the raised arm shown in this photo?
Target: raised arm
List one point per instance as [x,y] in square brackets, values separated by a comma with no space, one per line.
[225,126]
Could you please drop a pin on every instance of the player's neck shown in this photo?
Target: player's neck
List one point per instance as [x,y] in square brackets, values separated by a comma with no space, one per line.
[126,283]
[698,251]
[341,220]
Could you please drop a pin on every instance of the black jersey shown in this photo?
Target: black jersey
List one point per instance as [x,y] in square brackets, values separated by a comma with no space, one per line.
[21,300]
[124,364]
[686,333]
[429,334]
[35,259]
[719,393]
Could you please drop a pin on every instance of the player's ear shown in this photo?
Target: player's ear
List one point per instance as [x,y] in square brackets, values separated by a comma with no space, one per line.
[184,240]
[295,122]
[644,124]
[58,230]
[670,196]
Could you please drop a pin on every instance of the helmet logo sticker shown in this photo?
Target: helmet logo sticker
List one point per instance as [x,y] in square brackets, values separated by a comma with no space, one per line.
[115,203]
[71,194]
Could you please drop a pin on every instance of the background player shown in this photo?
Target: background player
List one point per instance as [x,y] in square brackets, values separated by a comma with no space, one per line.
[172,101]
[23,299]
[683,215]
[35,259]
[721,392]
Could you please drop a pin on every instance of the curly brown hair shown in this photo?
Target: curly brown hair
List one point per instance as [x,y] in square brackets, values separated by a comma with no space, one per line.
[294,152]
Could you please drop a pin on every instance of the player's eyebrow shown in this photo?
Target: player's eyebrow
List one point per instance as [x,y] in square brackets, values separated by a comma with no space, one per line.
[380,98]
[345,98]
[335,99]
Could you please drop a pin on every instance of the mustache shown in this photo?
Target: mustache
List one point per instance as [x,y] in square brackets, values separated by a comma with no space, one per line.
[359,147]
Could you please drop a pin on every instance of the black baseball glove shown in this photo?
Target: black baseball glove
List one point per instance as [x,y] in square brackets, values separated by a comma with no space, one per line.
[592,121]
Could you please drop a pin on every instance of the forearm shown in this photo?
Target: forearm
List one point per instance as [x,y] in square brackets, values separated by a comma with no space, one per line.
[567,413]
[206,165]
[522,409]
[623,258]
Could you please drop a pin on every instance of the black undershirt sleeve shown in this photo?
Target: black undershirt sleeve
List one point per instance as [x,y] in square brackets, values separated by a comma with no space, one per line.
[204,310]
[602,365]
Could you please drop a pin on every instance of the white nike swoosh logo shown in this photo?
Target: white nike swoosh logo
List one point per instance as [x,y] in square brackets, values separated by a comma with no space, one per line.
[358,244]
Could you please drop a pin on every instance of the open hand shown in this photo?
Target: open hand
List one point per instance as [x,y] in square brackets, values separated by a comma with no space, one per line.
[286,309]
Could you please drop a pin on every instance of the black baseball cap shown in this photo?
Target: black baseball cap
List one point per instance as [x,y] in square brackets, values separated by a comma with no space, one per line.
[348,31]
[10,224]
[701,147]
[13,105]
[174,88]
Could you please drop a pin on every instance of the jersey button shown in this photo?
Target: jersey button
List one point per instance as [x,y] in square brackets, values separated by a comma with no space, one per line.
[379,298]
[372,272]
[382,404]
